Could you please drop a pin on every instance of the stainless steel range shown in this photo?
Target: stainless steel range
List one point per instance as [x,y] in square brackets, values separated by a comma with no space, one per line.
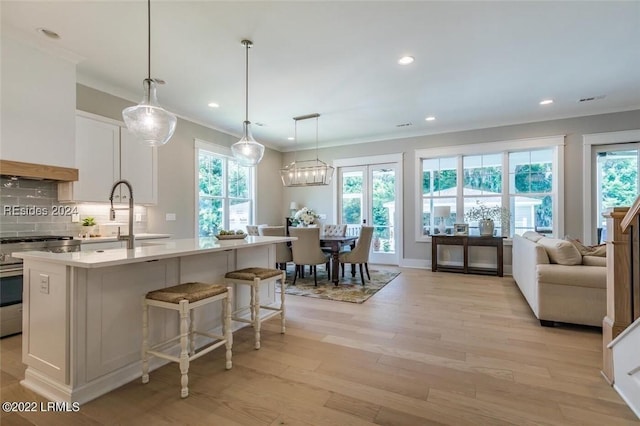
[11,273]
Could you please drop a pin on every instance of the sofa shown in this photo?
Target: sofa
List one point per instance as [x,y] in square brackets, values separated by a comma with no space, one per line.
[561,280]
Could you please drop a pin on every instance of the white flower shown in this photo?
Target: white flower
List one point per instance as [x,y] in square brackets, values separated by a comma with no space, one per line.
[306,215]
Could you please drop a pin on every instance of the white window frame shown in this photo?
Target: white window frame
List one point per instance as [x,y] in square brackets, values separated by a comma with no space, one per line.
[505,147]
[588,146]
[225,152]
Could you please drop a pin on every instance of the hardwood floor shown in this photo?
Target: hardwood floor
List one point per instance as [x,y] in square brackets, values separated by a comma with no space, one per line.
[428,349]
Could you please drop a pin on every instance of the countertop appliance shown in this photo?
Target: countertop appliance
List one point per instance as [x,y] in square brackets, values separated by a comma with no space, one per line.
[11,273]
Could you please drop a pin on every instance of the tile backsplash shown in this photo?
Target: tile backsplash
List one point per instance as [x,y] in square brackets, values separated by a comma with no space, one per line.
[31,207]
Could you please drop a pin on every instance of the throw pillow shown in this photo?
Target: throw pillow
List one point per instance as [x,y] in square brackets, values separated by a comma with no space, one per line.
[560,251]
[599,250]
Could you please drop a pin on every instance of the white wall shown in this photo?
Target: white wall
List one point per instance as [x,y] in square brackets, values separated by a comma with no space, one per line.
[38,105]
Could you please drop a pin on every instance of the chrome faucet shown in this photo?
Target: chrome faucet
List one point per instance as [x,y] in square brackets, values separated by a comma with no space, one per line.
[112,213]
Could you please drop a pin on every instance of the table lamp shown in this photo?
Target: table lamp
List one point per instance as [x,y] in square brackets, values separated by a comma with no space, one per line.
[293,207]
[443,212]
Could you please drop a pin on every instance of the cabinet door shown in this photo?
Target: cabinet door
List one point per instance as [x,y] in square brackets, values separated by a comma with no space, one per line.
[138,166]
[97,159]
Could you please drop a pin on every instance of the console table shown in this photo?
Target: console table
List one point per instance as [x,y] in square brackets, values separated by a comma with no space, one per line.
[465,241]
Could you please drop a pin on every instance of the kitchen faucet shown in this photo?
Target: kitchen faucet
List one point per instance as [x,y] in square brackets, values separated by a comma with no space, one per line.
[112,213]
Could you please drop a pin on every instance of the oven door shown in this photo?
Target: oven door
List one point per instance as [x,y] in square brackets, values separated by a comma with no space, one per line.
[10,286]
[10,301]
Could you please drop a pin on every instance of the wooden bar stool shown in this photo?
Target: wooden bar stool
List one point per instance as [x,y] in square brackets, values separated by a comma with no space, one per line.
[184,298]
[254,277]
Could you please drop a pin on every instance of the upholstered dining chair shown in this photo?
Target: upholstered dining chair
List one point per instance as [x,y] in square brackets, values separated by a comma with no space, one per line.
[331,230]
[360,254]
[306,251]
[283,251]
[253,230]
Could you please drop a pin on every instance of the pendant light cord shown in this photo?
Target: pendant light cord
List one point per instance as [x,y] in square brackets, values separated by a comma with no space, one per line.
[149,40]
[317,140]
[246,83]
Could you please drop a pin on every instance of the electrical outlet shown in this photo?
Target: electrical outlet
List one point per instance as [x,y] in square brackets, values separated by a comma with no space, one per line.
[170,216]
[75,217]
[322,215]
[138,217]
[44,283]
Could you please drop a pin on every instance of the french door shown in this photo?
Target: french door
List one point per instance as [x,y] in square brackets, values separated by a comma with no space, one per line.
[367,196]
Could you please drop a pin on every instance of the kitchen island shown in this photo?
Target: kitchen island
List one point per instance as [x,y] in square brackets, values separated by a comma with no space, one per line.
[82,318]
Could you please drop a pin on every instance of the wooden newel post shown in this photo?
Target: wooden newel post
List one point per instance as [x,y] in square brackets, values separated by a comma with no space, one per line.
[618,285]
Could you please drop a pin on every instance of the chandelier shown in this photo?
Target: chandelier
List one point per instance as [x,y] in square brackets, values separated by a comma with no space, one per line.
[148,121]
[307,172]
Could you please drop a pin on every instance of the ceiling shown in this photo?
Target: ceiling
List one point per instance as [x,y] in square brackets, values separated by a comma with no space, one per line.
[477,64]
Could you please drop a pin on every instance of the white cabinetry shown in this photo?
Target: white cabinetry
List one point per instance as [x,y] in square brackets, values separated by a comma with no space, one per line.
[38,103]
[106,152]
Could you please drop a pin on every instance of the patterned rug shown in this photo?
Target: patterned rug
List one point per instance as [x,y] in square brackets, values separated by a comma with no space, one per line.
[348,289]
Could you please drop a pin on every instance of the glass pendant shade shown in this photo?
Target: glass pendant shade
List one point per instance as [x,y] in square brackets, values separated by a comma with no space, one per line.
[148,121]
[247,151]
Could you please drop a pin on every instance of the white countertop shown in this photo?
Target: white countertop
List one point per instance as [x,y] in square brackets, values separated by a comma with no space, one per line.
[114,238]
[148,251]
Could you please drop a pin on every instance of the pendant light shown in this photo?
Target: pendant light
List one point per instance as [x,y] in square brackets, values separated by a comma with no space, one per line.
[148,121]
[247,151]
[308,172]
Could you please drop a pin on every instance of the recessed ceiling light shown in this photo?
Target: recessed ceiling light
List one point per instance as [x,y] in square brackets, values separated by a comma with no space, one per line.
[430,118]
[213,105]
[546,102]
[49,33]
[290,138]
[406,60]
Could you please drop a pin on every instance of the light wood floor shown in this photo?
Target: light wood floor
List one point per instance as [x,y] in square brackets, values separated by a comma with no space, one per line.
[428,349]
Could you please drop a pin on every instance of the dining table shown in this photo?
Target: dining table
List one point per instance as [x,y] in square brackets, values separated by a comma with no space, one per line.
[335,243]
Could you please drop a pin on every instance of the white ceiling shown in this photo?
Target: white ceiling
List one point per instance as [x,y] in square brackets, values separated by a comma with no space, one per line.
[477,64]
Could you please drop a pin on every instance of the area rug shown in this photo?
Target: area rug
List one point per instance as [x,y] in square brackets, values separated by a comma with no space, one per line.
[349,289]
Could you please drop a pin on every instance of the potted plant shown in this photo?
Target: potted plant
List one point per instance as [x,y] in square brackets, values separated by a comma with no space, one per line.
[87,224]
[486,216]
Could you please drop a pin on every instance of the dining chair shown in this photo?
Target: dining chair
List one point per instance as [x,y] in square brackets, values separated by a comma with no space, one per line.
[306,251]
[283,251]
[253,230]
[331,230]
[360,254]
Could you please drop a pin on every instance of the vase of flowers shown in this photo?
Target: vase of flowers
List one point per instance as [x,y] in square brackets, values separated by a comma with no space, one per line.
[486,216]
[305,217]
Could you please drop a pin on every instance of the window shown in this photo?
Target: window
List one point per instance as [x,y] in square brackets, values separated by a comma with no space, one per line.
[482,185]
[524,179]
[531,191]
[225,197]
[439,183]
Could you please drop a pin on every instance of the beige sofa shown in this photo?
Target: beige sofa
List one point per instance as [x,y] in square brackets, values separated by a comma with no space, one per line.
[559,283]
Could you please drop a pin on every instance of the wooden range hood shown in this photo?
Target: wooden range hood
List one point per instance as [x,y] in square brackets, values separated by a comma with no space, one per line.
[37,171]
